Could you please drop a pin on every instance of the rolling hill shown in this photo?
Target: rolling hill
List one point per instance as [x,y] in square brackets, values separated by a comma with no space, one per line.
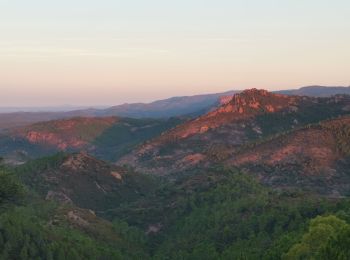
[250,116]
[314,158]
[105,137]
[84,181]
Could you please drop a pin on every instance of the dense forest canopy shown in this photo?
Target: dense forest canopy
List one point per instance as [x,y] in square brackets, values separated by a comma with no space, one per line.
[231,216]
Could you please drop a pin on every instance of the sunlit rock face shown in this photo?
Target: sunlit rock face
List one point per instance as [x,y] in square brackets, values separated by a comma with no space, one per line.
[250,116]
[239,106]
[73,133]
[254,101]
[225,125]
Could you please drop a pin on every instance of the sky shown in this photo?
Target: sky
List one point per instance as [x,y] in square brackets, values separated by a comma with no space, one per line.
[107,52]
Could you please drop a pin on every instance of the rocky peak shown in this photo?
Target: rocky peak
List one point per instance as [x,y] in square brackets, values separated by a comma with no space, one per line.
[225,100]
[84,163]
[252,101]
[63,134]
[80,161]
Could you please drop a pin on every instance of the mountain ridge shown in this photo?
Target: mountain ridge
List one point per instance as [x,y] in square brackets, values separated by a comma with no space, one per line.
[250,115]
[317,91]
[175,106]
[104,137]
[248,174]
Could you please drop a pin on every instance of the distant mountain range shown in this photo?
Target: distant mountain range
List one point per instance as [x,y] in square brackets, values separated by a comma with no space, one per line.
[316,91]
[65,108]
[190,106]
[174,106]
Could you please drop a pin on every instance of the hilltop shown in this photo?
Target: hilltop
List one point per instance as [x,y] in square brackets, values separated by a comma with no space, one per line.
[246,117]
[84,181]
[105,137]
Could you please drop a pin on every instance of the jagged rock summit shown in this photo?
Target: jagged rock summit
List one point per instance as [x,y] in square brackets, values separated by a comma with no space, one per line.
[253,101]
[243,105]
[250,116]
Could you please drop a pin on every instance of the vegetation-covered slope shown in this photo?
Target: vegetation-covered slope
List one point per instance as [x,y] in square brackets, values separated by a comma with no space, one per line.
[239,219]
[315,157]
[213,201]
[208,214]
[84,181]
[31,228]
[107,138]
[250,116]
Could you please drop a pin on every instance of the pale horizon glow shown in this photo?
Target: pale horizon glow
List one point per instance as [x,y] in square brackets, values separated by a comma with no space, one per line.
[111,52]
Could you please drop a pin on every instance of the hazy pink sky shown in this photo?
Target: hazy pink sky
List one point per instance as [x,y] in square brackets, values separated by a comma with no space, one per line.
[86,52]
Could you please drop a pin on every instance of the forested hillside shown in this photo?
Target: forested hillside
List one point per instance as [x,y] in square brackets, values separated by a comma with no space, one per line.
[217,214]
[106,137]
[264,176]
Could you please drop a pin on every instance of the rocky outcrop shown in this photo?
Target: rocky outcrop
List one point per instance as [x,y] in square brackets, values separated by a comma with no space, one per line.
[75,133]
[242,118]
[235,113]
[80,161]
[59,197]
[239,106]
[84,181]
[254,101]
[315,158]
[56,140]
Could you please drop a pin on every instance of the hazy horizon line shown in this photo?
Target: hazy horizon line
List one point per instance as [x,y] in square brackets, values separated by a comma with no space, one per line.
[71,107]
